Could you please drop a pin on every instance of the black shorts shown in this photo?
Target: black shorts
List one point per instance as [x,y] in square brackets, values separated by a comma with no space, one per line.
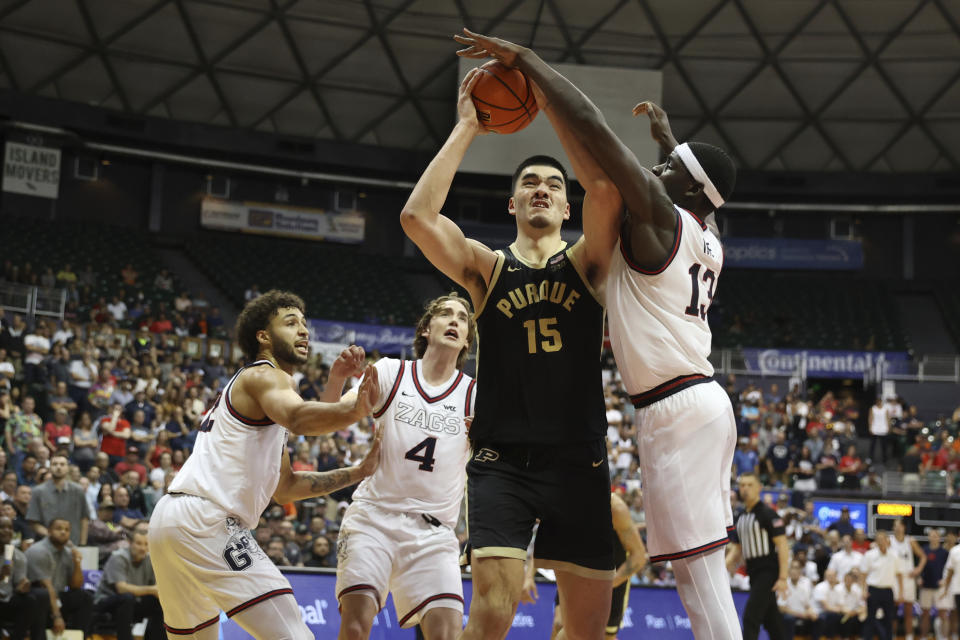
[566,487]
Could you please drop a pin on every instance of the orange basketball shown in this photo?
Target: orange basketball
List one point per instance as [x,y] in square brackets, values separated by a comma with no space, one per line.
[503,98]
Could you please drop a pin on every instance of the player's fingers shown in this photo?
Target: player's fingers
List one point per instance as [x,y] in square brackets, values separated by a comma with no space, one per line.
[472,79]
[640,108]
[473,52]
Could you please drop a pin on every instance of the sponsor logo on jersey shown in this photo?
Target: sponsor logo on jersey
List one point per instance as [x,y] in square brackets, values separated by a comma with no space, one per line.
[708,248]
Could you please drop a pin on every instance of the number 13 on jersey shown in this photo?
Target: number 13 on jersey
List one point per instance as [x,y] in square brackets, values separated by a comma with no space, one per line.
[709,278]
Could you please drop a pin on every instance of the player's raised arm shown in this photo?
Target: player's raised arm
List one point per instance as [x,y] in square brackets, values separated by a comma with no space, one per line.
[300,485]
[660,129]
[466,262]
[643,195]
[271,390]
[350,362]
[602,205]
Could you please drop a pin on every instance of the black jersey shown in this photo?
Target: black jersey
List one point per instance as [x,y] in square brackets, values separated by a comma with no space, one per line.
[540,331]
[755,531]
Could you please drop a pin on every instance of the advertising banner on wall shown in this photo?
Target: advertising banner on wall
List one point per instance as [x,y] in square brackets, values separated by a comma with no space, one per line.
[277,220]
[790,253]
[387,339]
[650,613]
[31,170]
[824,363]
[829,511]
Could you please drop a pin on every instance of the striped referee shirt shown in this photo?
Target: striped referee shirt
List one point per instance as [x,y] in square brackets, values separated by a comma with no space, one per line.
[754,531]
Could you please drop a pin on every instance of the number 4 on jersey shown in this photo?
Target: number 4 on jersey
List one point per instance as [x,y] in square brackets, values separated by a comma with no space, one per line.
[426,460]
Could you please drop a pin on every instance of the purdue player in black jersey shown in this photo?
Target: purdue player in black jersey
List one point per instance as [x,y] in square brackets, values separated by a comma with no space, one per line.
[539,422]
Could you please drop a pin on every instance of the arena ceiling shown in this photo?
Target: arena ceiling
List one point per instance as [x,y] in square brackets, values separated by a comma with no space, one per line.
[807,85]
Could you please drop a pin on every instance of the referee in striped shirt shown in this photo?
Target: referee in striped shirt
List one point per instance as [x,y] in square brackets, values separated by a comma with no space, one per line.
[759,538]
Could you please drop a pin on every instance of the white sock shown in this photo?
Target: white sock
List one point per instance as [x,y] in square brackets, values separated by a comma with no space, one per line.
[704,588]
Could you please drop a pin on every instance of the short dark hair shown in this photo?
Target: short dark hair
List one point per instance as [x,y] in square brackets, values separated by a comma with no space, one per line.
[53,521]
[718,165]
[550,161]
[433,308]
[258,313]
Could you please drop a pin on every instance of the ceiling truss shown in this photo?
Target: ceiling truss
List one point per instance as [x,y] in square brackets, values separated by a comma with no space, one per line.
[810,85]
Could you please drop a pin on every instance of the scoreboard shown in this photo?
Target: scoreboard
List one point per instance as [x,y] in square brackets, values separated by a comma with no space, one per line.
[917,515]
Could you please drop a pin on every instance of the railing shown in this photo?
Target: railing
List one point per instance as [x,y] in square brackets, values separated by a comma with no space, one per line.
[33,301]
[929,483]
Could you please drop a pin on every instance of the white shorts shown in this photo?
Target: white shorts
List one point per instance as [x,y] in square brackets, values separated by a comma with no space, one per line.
[909,590]
[206,561]
[686,452]
[382,551]
[931,599]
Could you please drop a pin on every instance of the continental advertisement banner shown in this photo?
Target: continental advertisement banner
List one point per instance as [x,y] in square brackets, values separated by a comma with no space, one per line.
[279,220]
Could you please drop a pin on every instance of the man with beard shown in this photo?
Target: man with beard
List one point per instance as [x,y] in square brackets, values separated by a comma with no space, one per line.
[53,567]
[60,498]
[204,556]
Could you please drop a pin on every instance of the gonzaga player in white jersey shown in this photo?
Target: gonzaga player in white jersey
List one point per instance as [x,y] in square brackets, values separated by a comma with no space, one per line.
[202,552]
[398,535]
[906,547]
[662,276]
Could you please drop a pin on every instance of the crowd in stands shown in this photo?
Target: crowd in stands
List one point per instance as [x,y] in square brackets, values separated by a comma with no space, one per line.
[124,303]
[99,411]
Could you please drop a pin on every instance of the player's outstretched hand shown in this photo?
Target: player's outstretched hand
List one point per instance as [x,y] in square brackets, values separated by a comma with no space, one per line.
[659,123]
[368,394]
[480,46]
[466,110]
[529,593]
[372,460]
[350,362]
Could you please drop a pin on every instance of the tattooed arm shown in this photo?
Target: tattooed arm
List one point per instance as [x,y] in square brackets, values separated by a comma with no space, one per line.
[300,485]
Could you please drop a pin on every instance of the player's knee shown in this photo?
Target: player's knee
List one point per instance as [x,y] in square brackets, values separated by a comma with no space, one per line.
[585,627]
[494,618]
[355,629]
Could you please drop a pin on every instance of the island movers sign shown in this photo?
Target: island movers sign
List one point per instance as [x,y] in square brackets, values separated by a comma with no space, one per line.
[31,170]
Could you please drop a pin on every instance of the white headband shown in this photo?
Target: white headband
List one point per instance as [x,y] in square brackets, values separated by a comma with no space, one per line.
[693,166]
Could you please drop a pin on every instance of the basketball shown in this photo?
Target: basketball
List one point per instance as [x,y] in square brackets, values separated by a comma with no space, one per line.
[503,98]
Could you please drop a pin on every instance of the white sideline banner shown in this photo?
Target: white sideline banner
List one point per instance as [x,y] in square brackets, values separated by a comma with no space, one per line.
[276,220]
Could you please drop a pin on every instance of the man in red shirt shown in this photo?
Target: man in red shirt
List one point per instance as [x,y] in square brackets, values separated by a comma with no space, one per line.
[54,431]
[116,433]
[132,463]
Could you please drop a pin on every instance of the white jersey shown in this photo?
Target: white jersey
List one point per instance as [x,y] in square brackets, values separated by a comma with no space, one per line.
[236,460]
[904,551]
[425,447]
[658,318]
